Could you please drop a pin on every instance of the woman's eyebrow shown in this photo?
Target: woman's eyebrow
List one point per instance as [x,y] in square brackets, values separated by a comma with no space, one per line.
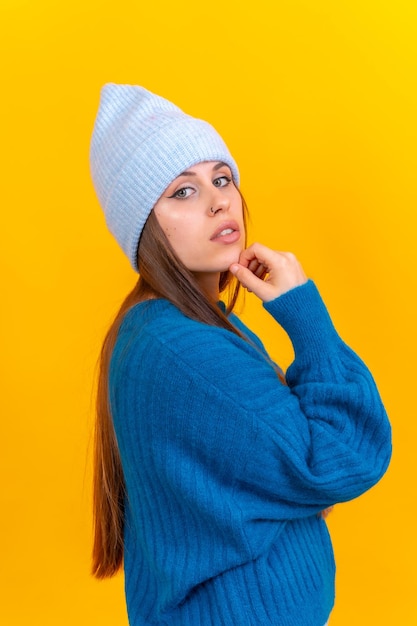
[219,165]
[186,173]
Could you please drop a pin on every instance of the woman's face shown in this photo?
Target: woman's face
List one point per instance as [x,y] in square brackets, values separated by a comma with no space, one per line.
[201,214]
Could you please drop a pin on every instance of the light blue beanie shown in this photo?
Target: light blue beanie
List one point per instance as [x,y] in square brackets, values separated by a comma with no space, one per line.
[141,143]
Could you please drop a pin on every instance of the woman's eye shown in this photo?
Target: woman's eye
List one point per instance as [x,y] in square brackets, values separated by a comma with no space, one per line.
[222,181]
[184,192]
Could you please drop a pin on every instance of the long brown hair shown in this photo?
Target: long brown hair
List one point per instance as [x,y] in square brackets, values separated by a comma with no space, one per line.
[176,283]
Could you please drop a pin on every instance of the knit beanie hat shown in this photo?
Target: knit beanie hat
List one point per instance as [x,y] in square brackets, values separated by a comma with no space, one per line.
[140,144]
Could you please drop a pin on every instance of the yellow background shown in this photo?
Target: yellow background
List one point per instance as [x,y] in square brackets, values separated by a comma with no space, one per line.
[317,101]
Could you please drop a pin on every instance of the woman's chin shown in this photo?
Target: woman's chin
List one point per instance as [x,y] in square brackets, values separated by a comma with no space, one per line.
[234,257]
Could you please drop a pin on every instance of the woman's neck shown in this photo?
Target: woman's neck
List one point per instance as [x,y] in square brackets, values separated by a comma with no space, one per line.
[209,283]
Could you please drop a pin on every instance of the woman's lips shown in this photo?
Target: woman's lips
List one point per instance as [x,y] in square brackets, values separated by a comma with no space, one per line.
[227,232]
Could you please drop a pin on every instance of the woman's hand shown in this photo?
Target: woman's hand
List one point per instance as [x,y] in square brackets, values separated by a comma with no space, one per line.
[268,273]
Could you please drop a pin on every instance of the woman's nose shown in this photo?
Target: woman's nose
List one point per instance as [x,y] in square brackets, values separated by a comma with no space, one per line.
[219,202]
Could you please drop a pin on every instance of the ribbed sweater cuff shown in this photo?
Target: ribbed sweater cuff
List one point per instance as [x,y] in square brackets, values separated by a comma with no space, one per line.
[303,315]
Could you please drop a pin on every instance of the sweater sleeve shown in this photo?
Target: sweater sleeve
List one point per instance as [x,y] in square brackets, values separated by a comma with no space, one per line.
[331,430]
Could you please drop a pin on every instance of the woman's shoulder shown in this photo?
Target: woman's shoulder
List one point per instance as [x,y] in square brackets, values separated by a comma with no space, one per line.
[148,313]
[164,317]
[160,316]
[158,325]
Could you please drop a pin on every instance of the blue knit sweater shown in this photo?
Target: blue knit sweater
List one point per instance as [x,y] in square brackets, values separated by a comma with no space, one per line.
[227,469]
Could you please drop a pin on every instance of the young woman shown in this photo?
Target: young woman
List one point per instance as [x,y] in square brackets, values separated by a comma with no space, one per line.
[213,472]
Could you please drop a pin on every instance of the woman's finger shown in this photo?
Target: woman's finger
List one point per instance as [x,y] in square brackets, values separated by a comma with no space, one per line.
[251,282]
[268,273]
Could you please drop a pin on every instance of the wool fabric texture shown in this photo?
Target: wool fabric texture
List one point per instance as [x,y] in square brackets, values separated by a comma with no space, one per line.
[141,142]
[227,469]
